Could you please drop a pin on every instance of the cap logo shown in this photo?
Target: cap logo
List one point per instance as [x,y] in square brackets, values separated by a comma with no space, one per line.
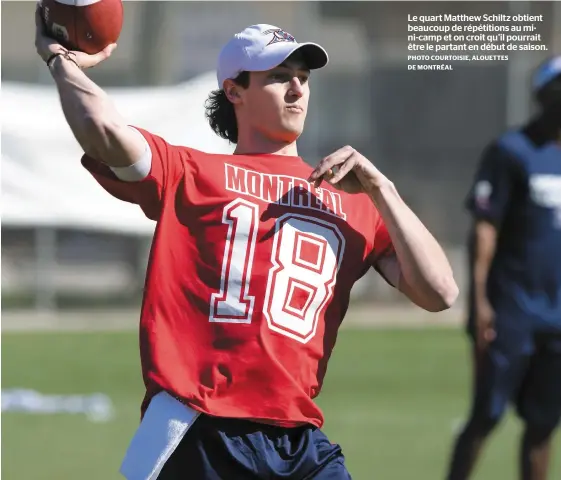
[279,35]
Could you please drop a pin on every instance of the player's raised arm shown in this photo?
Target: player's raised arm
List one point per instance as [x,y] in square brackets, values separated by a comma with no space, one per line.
[99,129]
[425,275]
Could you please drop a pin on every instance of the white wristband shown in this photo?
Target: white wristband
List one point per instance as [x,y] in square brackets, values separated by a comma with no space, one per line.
[140,169]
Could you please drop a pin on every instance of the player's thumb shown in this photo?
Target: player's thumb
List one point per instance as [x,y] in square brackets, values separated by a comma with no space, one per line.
[93,60]
[109,49]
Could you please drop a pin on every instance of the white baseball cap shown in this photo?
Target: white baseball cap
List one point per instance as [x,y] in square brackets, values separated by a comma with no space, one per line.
[262,47]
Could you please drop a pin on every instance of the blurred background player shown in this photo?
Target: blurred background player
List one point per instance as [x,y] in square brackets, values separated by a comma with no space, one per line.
[251,266]
[515,296]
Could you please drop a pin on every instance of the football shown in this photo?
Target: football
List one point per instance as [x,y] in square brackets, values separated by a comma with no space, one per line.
[84,25]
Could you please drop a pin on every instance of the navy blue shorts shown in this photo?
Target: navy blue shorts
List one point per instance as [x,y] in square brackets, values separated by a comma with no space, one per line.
[524,370]
[232,449]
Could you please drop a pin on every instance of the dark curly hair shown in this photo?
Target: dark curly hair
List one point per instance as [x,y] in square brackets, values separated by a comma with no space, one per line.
[220,113]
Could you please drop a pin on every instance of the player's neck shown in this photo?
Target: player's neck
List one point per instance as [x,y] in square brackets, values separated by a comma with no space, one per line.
[254,144]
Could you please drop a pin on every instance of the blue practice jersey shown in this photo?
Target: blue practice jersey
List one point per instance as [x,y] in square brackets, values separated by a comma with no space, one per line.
[518,189]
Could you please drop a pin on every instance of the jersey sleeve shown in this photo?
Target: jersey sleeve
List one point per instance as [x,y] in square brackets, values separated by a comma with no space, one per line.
[493,185]
[144,183]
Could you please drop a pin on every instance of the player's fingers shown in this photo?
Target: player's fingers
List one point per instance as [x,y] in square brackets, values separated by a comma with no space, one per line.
[39,24]
[39,17]
[105,53]
[319,171]
[336,158]
[109,49]
[41,40]
[326,176]
[343,170]
[88,61]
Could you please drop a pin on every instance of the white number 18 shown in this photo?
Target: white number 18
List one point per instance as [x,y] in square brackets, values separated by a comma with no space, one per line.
[305,258]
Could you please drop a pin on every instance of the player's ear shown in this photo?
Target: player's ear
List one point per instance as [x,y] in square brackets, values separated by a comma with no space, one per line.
[233,92]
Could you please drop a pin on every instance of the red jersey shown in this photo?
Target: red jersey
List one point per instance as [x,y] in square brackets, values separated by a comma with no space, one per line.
[249,278]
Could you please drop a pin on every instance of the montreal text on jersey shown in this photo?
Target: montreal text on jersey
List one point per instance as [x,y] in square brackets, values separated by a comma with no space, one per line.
[283,190]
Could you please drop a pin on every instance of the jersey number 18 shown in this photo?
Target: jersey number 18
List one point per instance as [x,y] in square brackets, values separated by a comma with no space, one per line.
[305,258]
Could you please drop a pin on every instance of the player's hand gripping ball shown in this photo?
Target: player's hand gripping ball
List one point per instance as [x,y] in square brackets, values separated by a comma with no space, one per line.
[349,171]
[83,25]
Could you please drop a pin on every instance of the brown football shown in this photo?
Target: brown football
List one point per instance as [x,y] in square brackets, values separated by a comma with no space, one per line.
[84,25]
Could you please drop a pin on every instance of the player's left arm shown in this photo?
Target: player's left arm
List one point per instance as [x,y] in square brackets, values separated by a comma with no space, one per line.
[422,271]
[424,285]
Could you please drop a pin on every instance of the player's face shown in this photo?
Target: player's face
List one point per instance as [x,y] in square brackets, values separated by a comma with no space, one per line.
[276,102]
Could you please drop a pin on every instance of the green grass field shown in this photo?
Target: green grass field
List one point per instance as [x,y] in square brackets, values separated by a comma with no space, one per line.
[390,399]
